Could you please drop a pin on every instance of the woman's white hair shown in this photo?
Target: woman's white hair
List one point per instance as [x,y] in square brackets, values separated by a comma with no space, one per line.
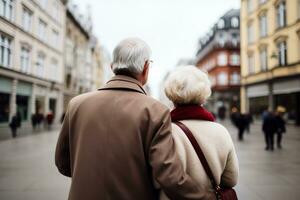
[188,85]
[130,55]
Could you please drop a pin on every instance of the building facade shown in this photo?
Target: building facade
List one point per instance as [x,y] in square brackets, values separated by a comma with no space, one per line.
[219,54]
[31,58]
[270,52]
[83,63]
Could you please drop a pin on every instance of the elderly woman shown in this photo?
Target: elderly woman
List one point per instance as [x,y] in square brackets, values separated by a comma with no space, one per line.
[188,88]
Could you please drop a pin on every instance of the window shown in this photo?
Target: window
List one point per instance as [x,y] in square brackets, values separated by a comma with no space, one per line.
[222,78]
[5,51]
[222,39]
[221,24]
[26,19]
[234,22]
[250,32]
[43,3]
[6,9]
[40,65]
[222,59]
[249,6]
[55,37]
[55,10]
[53,70]
[263,25]
[251,68]
[281,14]
[263,57]
[262,1]
[282,53]
[298,9]
[42,30]
[235,78]
[235,59]
[25,59]
[235,39]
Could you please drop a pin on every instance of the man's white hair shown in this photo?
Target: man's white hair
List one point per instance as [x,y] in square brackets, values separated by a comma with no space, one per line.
[130,56]
[188,85]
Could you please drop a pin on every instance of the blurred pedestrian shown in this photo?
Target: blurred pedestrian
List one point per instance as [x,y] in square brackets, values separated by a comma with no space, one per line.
[15,124]
[269,128]
[34,121]
[49,118]
[241,124]
[249,121]
[281,129]
[234,115]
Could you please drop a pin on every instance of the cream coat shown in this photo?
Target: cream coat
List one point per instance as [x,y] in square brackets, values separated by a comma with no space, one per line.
[218,148]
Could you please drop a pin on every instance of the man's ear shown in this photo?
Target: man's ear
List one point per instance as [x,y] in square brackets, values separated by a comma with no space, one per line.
[146,69]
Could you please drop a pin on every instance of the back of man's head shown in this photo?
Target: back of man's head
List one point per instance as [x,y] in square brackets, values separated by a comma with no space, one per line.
[129,56]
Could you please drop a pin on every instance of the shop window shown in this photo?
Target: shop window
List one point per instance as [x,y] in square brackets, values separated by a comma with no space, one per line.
[22,106]
[4,107]
[5,51]
[281,14]
[282,53]
[6,9]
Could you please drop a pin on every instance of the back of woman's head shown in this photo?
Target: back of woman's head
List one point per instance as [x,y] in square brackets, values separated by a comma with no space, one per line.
[188,85]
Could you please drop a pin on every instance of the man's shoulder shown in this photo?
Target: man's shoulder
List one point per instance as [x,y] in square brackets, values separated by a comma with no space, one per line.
[82,97]
[154,104]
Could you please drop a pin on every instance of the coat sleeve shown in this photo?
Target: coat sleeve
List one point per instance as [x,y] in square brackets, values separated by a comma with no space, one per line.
[167,168]
[62,153]
[231,172]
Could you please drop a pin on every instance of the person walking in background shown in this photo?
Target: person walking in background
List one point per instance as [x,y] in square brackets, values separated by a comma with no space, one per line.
[188,88]
[239,121]
[114,142]
[49,118]
[249,121]
[269,128]
[281,129]
[15,124]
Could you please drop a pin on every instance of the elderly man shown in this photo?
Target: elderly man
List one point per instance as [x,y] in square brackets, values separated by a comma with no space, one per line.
[117,141]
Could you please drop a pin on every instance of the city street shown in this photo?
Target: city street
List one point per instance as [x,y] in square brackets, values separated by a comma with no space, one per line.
[27,170]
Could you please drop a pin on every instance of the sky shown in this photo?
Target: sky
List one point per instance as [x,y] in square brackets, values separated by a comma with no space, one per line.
[171,27]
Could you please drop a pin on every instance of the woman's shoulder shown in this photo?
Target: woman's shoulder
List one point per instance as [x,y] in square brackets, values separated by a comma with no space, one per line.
[204,128]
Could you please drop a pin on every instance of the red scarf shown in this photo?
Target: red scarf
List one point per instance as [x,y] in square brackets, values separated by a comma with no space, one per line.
[191,112]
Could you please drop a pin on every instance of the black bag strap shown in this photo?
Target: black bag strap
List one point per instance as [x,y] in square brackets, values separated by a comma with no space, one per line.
[199,153]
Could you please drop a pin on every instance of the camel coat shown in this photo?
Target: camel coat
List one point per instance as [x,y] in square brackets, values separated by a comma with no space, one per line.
[218,148]
[115,141]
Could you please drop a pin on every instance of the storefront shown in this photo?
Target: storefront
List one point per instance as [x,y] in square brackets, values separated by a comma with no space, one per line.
[268,96]
[23,99]
[5,94]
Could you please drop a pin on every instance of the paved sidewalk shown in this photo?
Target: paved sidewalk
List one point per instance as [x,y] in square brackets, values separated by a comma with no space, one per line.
[27,170]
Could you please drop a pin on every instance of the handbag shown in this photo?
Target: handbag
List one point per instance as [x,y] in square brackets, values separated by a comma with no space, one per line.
[220,192]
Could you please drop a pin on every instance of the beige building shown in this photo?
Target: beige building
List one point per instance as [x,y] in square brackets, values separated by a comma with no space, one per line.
[270,51]
[83,66]
[31,58]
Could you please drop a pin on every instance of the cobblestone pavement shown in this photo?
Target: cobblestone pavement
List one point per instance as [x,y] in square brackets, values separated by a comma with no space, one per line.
[27,170]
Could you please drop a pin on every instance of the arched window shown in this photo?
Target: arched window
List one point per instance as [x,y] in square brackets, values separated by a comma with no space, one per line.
[221,24]
[234,22]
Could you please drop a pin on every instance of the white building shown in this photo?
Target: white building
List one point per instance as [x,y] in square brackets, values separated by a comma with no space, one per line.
[31,58]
